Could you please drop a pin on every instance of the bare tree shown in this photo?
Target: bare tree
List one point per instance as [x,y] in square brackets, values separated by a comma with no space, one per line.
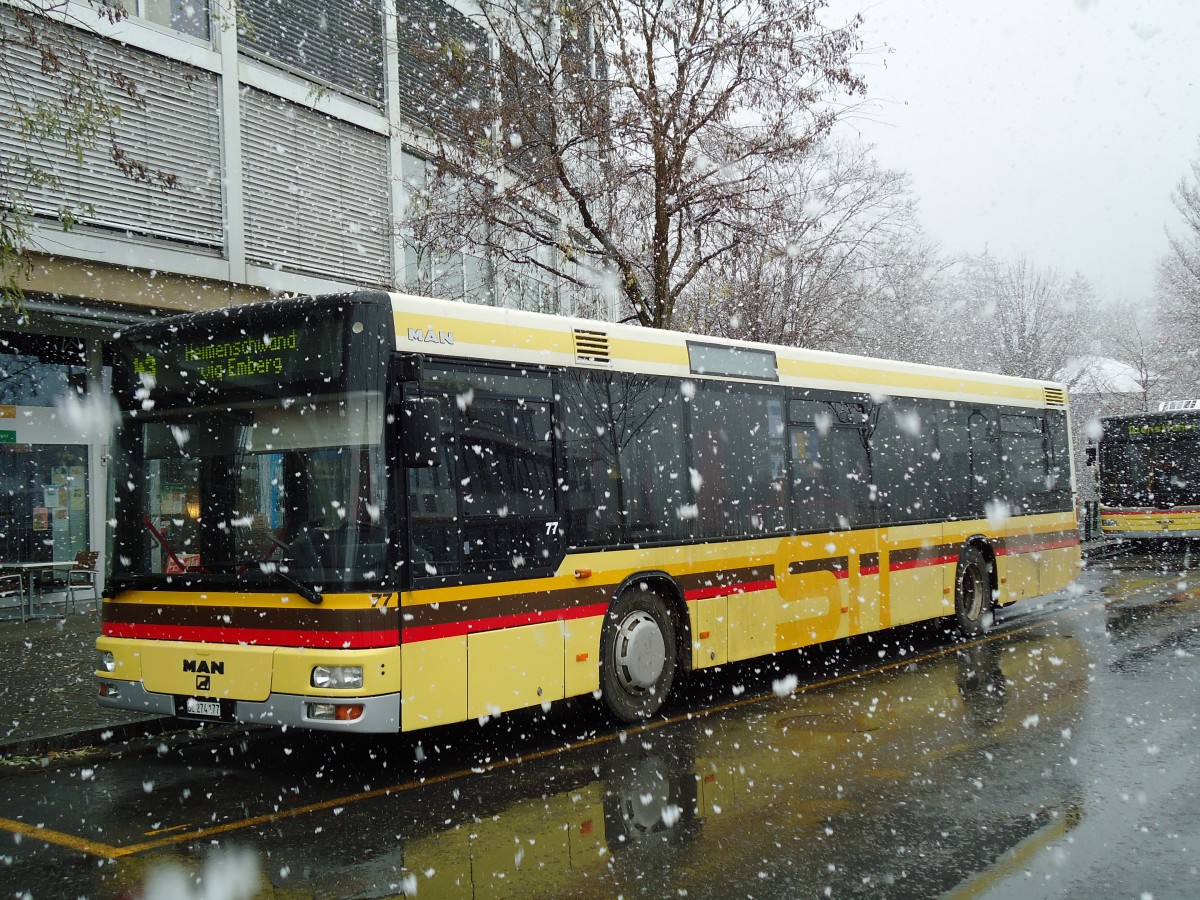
[637,141]
[811,277]
[907,314]
[1135,339]
[1016,318]
[1179,280]
[80,112]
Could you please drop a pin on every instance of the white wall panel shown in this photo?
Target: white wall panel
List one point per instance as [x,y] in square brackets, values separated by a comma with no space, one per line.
[316,192]
[171,128]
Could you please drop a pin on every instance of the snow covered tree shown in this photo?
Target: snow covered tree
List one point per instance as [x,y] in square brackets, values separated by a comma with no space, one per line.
[814,274]
[905,318]
[1019,319]
[1130,334]
[1179,275]
[628,143]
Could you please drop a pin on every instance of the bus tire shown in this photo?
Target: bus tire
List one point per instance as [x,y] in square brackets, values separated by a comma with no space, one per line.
[972,593]
[637,655]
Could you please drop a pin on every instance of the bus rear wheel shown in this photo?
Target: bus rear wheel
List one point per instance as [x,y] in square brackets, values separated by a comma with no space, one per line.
[637,655]
[972,593]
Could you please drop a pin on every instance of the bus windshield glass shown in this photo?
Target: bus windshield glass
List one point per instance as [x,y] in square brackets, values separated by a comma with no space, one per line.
[1163,472]
[260,492]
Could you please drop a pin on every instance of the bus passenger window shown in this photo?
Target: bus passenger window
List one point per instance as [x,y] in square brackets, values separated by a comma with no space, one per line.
[1026,462]
[648,433]
[433,514]
[831,487]
[491,506]
[739,452]
[955,487]
[906,462]
[506,476]
[627,477]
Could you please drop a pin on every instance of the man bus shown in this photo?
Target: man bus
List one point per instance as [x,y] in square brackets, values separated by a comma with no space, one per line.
[378,512]
[1149,474]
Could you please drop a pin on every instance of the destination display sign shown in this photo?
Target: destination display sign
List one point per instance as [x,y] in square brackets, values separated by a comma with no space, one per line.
[1153,429]
[180,361]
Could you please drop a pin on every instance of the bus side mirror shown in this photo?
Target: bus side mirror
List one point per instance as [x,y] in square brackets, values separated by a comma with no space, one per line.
[1089,456]
[421,430]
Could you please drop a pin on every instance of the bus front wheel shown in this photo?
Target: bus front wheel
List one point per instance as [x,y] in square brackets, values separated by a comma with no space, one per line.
[637,655]
[972,593]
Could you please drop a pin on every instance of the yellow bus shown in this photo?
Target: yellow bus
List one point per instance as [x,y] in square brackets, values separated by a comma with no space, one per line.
[1149,474]
[378,512]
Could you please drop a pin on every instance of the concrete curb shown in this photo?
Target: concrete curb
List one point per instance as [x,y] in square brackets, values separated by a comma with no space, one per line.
[128,736]
[100,736]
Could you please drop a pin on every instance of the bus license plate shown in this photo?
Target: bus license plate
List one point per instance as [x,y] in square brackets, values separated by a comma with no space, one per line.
[208,708]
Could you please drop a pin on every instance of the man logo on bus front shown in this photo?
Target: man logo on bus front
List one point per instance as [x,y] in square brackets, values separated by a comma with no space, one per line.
[204,683]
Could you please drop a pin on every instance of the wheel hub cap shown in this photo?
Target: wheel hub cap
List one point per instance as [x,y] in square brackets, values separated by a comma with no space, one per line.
[641,652]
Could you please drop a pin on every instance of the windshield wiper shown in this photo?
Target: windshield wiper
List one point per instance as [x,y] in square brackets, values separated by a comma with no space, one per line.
[307,591]
[270,567]
[238,568]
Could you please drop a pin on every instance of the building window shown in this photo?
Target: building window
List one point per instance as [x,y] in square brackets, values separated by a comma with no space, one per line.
[335,42]
[40,371]
[43,502]
[454,272]
[449,275]
[188,17]
[530,285]
[44,476]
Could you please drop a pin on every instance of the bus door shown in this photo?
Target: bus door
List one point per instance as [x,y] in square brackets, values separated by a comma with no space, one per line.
[1031,476]
[904,469]
[834,579]
[991,502]
[482,516]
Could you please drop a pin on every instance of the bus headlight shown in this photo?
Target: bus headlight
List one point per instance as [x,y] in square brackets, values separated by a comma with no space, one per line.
[337,676]
[107,661]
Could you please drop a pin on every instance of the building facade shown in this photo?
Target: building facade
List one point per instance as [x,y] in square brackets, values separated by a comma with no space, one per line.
[266,147]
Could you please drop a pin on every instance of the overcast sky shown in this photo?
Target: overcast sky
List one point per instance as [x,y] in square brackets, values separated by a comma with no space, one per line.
[1053,128]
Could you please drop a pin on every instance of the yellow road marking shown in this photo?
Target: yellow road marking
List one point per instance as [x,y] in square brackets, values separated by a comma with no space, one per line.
[106,851]
[50,836]
[1017,858]
[154,831]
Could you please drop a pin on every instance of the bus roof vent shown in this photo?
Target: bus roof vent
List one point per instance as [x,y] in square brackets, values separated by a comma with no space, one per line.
[1055,397]
[1178,405]
[591,346]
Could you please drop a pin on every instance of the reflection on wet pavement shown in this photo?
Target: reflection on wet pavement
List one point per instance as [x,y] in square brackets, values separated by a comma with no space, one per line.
[1015,766]
[846,786]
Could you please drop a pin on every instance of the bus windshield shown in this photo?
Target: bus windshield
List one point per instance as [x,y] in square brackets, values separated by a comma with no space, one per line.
[1163,473]
[289,490]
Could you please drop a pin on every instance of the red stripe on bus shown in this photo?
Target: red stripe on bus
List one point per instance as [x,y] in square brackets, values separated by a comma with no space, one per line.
[416,633]
[921,563]
[260,637]
[1037,548]
[413,633]
[1182,510]
[725,590]
[1060,545]
[869,570]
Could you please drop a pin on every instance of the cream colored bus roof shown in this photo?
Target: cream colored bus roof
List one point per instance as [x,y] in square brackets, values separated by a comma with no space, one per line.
[443,327]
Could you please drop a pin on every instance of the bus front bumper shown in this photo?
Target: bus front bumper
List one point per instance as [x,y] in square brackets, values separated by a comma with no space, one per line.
[373,715]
